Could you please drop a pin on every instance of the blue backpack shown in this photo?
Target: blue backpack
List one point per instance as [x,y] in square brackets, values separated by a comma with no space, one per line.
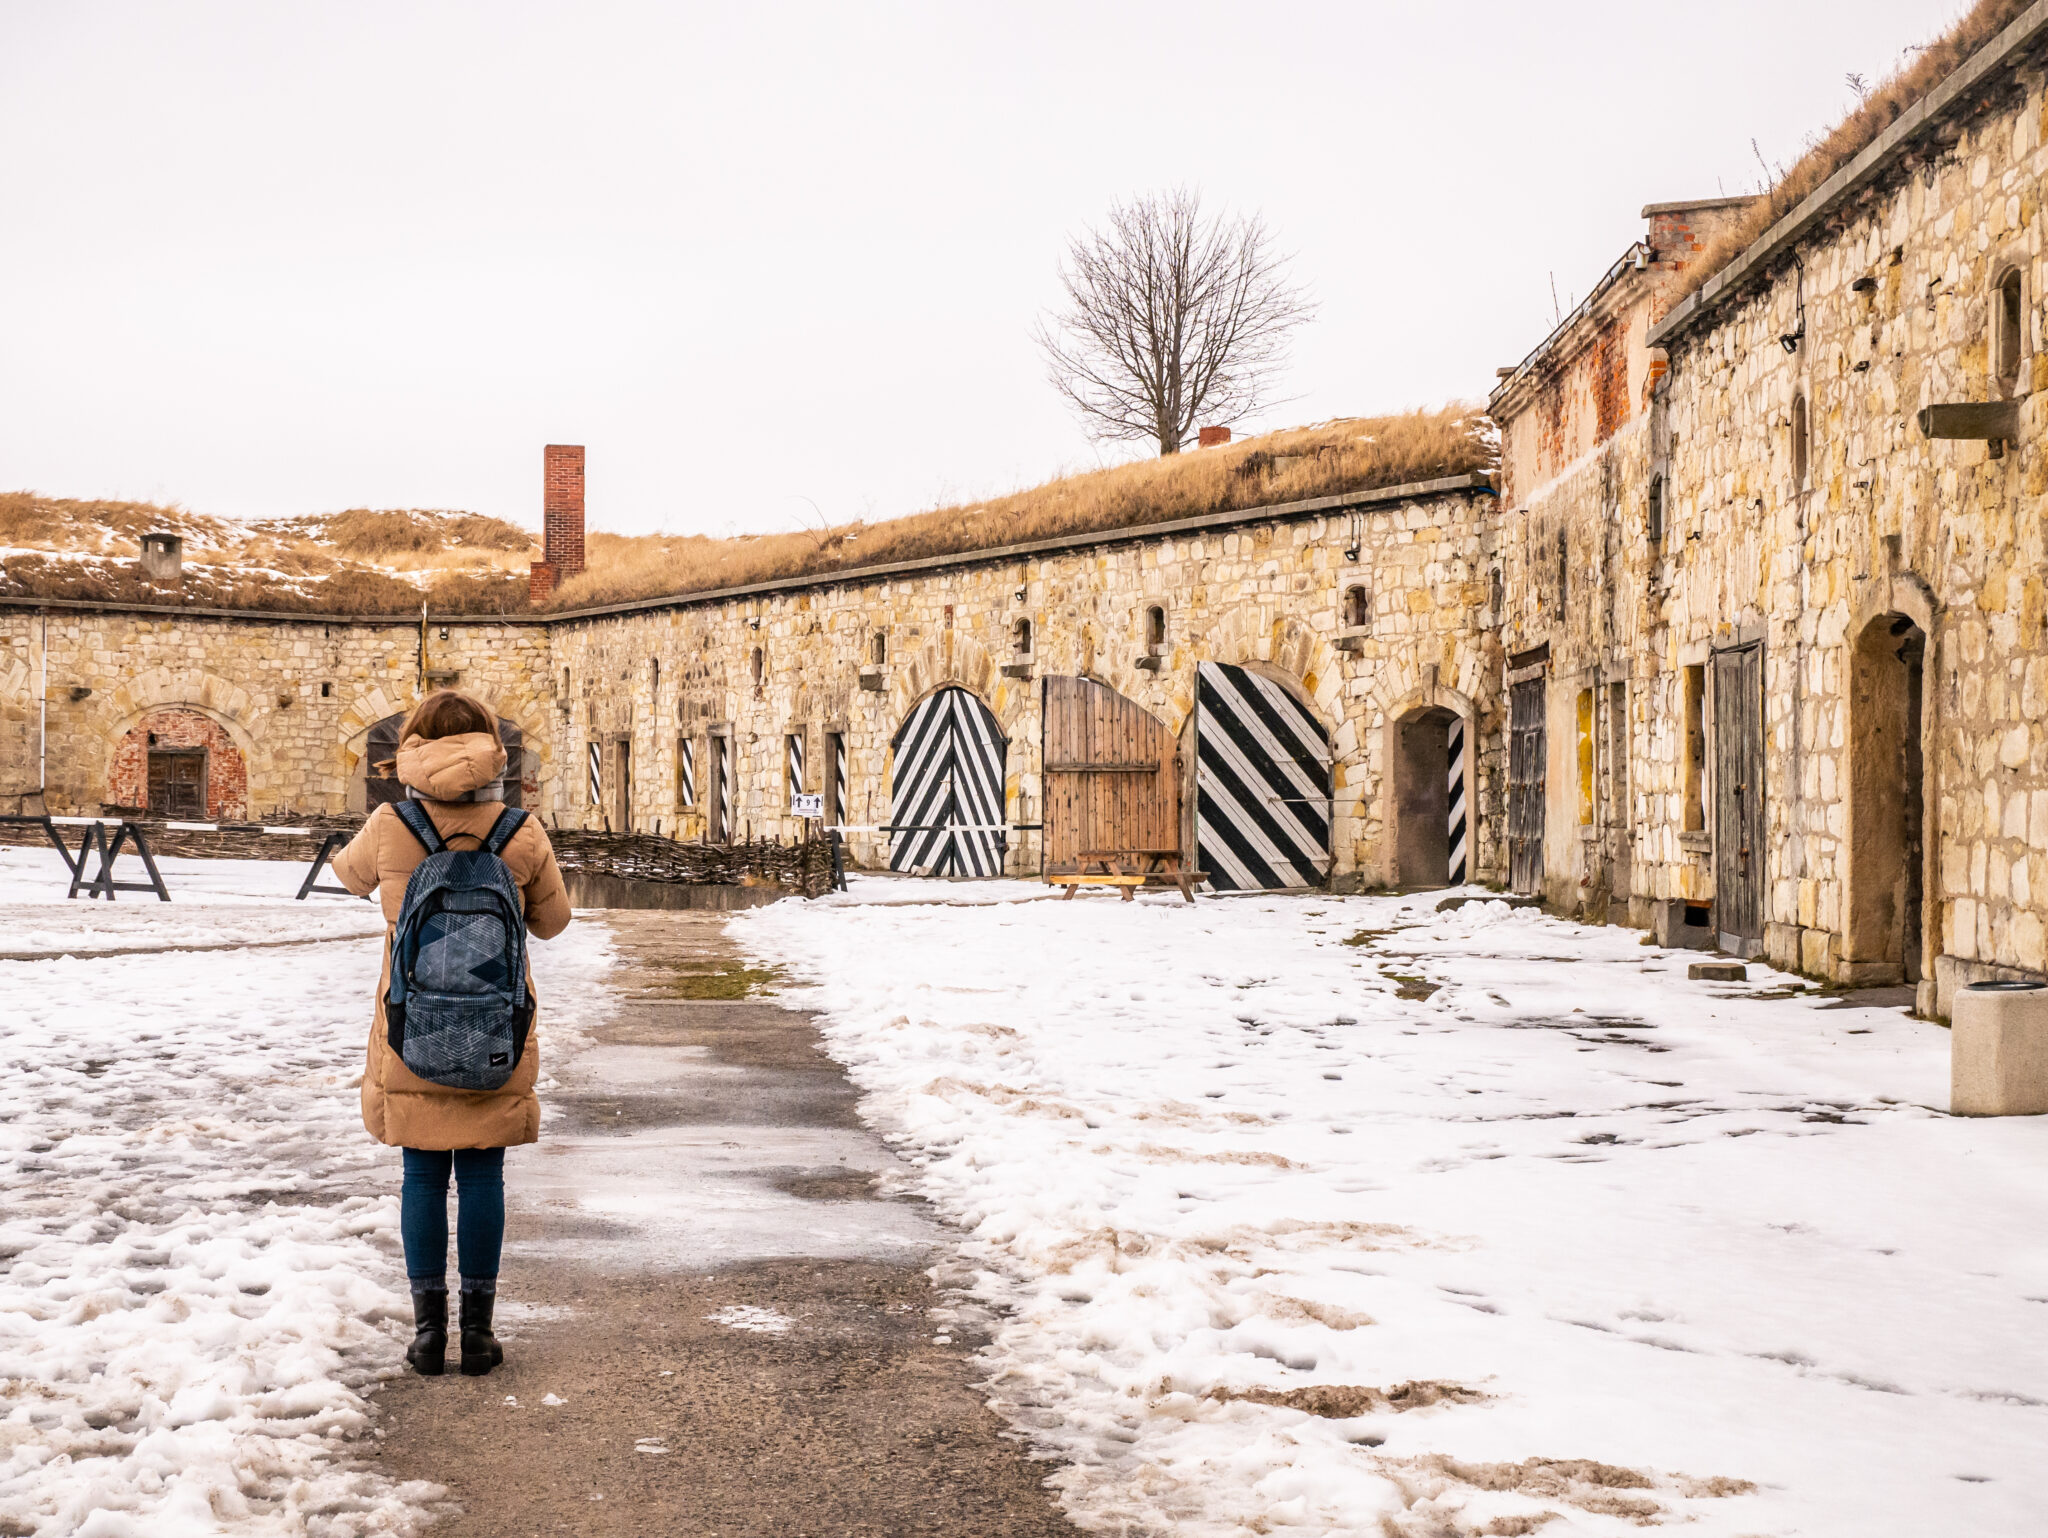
[457,1011]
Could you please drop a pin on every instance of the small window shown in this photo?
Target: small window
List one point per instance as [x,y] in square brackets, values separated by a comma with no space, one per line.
[326,691]
[1653,518]
[1155,629]
[565,683]
[1020,637]
[878,649]
[686,772]
[1695,747]
[654,675]
[1799,442]
[1357,607]
[759,666]
[2009,338]
[1497,595]
[1564,568]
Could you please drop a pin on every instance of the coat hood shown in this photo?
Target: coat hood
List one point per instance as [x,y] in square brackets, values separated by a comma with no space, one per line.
[449,768]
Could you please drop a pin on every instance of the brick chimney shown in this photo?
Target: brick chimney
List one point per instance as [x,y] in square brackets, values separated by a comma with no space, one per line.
[1213,437]
[561,519]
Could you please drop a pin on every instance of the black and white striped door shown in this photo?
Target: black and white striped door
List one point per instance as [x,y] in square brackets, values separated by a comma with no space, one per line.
[1454,775]
[721,790]
[793,756]
[835,803]
[946,789]
[596,751]
[1262,783]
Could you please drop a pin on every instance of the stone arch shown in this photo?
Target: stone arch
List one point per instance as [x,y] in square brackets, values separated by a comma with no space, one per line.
[377,703]
[230,708]
[955,658]
[1263,640]
[1427,818]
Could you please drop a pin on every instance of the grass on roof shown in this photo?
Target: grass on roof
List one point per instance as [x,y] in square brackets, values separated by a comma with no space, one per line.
[1889,101]
[1350,454]
[383,561]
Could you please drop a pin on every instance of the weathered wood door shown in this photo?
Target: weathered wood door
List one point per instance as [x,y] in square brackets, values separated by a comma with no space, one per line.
[946,788]
[1262,784]
[1527,776]
[177,783]
[1739,799]
[1112,775]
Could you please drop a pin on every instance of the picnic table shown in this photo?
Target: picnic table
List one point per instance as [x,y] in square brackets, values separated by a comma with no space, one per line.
[1128,869]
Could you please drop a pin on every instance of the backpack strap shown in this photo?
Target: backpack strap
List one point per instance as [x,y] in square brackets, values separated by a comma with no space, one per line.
[505,829]
[419,825]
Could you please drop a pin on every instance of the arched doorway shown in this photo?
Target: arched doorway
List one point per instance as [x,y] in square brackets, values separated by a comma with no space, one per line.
[946,801]
[380,762]
[1112,775]
[1887,806]
[180,764]
[1262,783]
[1429,798]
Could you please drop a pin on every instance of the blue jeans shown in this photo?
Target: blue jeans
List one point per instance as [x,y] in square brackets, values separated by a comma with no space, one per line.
[480,1221]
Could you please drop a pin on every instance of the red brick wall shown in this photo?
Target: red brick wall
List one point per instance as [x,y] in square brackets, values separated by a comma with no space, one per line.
[227,777]
[562,508]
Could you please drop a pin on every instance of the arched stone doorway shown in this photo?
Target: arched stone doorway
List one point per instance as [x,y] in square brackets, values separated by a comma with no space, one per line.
[1429,825]
[180,764]
[1887,802]
[377,773]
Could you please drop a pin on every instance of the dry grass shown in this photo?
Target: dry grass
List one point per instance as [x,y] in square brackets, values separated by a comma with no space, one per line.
[1351,454]
[383,561]
[1889,101]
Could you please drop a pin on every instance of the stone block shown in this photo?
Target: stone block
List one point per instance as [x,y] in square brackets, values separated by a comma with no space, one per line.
[1998,1050]
[1718,972]
[1681,925]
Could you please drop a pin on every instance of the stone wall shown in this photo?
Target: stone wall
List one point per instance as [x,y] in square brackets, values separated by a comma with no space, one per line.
[1267,594]
[294,696]
[297,696]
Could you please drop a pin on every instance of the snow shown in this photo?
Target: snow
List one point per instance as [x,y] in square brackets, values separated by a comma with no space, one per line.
[751,1319]
[199,1272]
[1569,1234]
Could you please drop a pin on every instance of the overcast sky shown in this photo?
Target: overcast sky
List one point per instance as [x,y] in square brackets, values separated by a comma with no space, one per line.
[277,258]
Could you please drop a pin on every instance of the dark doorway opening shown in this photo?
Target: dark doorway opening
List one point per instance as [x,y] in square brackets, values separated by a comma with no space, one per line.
[1423,777]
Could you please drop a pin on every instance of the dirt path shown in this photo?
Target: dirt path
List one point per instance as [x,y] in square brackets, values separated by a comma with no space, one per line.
[704,1159]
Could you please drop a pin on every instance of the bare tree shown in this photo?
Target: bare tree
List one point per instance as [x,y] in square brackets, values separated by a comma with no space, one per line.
[1171,319]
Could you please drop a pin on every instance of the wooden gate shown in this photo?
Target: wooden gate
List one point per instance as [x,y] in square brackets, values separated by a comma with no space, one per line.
[1262,784]
[1527,776]
[1739,799]
[1112,776]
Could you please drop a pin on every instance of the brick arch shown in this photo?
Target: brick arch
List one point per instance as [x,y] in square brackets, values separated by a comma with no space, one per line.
[181,726]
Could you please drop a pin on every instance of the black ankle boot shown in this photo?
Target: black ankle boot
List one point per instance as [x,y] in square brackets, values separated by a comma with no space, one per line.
[428,1353]
[480,1349]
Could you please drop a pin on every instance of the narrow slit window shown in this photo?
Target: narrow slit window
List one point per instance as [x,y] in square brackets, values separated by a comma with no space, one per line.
[1695,747]
[1653,518]
[1020,637]
[1800,454]
[878,649]
[1357,607]
[760,666]
[1155,629]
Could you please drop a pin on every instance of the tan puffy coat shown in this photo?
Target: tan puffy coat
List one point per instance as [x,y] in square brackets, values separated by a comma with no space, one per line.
[399,1107]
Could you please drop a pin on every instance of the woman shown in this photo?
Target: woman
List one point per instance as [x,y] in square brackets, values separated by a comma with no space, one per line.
[451,762]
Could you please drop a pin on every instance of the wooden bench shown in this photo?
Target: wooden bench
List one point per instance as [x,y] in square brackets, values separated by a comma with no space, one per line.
[1128,869]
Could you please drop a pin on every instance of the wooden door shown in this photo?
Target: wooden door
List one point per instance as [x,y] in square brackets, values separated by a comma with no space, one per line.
[1112,775]
[1739,800]
[1262,784]
[177,784]
[1528,772]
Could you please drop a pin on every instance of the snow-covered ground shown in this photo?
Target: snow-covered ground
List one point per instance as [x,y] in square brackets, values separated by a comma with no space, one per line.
[199,1271]
[1320,1215]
